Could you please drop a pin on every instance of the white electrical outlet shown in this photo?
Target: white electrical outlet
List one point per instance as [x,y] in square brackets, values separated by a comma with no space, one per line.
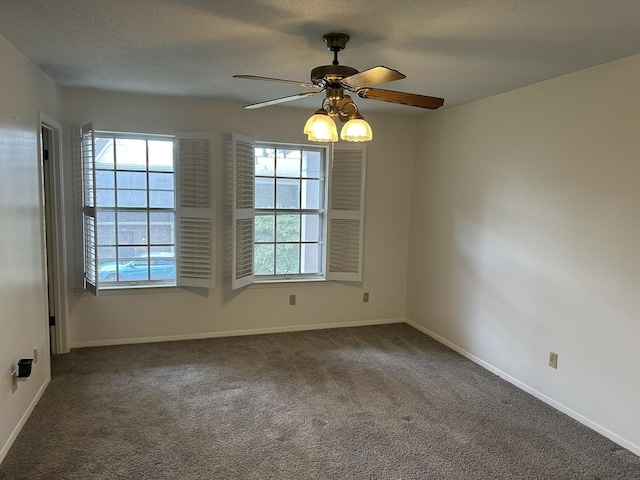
[35,354]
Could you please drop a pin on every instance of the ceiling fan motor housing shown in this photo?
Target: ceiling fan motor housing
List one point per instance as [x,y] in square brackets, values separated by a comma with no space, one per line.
[331,74]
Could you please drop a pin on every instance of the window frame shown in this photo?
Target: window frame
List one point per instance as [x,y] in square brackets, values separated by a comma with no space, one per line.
[148,210]
[321,211]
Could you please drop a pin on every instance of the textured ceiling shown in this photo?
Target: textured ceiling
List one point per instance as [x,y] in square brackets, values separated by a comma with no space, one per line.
[461,50]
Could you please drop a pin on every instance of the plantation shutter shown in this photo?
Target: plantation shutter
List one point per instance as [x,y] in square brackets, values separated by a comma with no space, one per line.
[346,212]
[243,161]
[89,214]
[195,239]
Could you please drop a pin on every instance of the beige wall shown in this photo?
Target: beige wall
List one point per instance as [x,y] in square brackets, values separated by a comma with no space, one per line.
[24,91]
[525,237]
[116,318]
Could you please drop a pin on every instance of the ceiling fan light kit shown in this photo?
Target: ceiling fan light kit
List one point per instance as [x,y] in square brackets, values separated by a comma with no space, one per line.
[356,130]
[334,79]
[320,127]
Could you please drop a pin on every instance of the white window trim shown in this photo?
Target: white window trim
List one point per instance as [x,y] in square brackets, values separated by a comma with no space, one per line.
[305,277]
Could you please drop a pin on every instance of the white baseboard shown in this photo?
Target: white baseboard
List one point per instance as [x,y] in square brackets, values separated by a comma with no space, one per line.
[233,333]
[539,395]
[23,420]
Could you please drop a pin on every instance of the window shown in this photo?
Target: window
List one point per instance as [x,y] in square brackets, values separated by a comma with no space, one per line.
[147,216]
[135,209]
[289,211]
[297,211]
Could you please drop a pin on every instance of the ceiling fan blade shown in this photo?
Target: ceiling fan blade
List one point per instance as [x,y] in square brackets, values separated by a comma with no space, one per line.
[373,76]
[411,99]
[275,101]
[280,80]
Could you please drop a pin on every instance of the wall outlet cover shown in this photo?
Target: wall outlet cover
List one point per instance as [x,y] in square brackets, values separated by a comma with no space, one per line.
[553,360]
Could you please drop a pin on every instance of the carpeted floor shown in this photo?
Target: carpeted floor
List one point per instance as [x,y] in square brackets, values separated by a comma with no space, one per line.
[383,402]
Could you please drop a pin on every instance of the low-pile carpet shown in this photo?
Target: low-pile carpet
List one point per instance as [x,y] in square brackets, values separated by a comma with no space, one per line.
[380,402]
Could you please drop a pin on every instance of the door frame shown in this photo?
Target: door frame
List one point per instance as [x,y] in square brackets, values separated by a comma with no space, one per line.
[57,225]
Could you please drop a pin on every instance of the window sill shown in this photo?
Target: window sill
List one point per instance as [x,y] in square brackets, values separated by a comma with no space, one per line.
[290,282]
[131,290]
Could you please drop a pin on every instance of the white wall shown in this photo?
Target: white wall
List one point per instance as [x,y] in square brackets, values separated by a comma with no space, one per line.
[117,318]
[23,311]
[525,237]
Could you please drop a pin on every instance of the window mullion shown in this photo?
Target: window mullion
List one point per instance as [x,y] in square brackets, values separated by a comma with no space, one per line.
[116,203]
[148,211]
[300,214]
[275,210]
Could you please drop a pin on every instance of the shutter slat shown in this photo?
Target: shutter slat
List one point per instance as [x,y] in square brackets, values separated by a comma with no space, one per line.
[196,256]
[196,265]
[195,173]
[242,160]
[345,241]
[346,213]
[245,165]
[346,181]
[244,247]
[89,230]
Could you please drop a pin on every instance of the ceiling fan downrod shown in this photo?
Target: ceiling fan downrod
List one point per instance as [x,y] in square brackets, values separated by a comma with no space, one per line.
[336,42]
[335,57]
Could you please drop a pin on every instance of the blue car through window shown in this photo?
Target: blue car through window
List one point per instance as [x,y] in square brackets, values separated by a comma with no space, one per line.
[139,269]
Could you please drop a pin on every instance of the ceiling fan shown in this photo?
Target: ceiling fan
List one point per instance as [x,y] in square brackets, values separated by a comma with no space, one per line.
[334,79]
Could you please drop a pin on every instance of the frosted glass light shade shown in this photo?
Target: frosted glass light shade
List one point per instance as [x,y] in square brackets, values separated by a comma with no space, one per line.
[356,130]
[321,128]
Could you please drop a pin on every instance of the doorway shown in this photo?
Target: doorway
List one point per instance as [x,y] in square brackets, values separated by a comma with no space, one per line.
[50,146]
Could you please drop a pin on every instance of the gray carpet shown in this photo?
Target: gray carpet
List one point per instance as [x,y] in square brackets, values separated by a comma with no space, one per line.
[383,402]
